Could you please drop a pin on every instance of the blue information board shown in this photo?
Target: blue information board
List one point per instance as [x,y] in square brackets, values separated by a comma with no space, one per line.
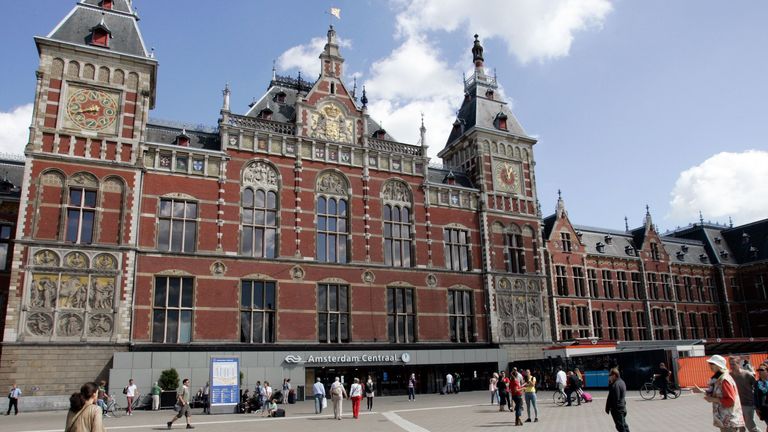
[225,381]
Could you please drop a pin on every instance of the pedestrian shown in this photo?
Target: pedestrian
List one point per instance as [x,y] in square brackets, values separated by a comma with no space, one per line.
[257,393]
[207,398]
[84,414]
[745,385]
[724,397]
[529,387]
[370,392]
[412,388]
[761,393]
[156,391]
[448,383]
[183,404]
[493,388]
[103,398]
[338,394]
[318,391]
[457,383]
[516,393]
[131,392]
[574,385]
[13,399]
[266,396]
[504,399]
[356,395]
[661,379]
[286,390]
[616,404]
[561,380]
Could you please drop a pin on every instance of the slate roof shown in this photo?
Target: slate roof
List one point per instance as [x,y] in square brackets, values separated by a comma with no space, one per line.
[11,177]
[616,246]
[440,176]
[122,23]
[160,132]
[685,251]
[749,243]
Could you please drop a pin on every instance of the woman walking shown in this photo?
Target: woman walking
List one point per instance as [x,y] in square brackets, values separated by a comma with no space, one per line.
[370,391]
[529,387]
[724,397]
[356,394]
[412,388]
[84,414]
[516,393]
[761,392]
[493,388]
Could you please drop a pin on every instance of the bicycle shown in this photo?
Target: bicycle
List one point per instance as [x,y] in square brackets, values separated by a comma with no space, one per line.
[649,389]
[561,399]
[113,409]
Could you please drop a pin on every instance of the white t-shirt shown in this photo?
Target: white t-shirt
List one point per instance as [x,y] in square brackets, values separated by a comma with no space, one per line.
[561,378]
[449,379]
[355,390]
[131,390]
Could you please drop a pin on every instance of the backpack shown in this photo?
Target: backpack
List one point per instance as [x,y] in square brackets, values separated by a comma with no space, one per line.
[125,390]
[337,391]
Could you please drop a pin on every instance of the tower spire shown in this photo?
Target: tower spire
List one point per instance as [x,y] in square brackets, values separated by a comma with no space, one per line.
[226,92]
[477,54]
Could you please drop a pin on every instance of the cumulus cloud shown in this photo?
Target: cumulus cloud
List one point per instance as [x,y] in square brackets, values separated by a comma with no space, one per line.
[14,129]
[531,29]
[726,184]
[306,57]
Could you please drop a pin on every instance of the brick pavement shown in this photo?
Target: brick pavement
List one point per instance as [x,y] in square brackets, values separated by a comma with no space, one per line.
[430,413]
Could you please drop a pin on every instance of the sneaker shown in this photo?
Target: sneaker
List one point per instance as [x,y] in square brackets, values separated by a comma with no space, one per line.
[528,421]
[189,426]
[169,424]
[536,420]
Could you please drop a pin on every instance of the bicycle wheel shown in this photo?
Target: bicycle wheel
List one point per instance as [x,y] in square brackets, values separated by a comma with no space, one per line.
[674,392]
[647,391]
[558,398]
[116,411]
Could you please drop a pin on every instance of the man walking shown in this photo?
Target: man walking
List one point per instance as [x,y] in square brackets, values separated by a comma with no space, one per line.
[338,394]
[448,383]
[13,399]
[561,380]
[156,390]
[745,384]
[183,403]
[616,405]
[319,391]
[661,379]
[131,391]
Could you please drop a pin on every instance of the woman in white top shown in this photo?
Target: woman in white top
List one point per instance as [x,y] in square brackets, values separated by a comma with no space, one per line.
[493,388]
[356,394]
[267,397]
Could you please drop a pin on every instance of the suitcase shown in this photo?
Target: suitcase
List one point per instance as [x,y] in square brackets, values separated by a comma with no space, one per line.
[291,397]
[586,396]
[279,412]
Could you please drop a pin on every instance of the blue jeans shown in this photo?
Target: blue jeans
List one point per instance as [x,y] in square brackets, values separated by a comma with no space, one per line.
[530,398]
[411,393]
[319,403]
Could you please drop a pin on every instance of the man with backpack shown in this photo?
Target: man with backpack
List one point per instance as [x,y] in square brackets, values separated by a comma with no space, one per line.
[338,394]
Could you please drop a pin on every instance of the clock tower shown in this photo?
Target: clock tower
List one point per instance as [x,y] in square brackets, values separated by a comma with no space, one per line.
[490,147]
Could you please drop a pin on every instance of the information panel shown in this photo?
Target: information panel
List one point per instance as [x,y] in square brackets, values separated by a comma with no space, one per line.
[225,374]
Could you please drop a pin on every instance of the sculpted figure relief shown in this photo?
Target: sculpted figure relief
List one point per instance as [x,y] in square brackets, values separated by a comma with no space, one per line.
[76,260]
[100,325]
[396,191]
[46,258]
[258,173]
[70,325]
[72,293]
[39,324]
[102,294]
[43,293]
[332,183]
[104,262]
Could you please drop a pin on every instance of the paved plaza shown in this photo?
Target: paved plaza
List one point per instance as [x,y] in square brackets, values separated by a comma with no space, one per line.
[430,413]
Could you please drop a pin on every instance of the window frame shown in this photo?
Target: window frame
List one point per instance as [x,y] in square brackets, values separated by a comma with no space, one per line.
[180,309]
[389,224]
[342,315]
[396,295]
[467,317]
[263,213]
[514,253]
[457,254]
[341,238]
[268,315]
[6,243]
[173,220]
[81,209]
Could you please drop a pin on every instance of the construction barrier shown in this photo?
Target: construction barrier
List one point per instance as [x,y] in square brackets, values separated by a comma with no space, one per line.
[694,371]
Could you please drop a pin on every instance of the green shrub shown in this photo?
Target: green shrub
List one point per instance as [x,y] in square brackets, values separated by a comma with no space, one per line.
[169,379]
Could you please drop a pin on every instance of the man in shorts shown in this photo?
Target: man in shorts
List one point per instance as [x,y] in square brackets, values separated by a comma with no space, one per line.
[183,403]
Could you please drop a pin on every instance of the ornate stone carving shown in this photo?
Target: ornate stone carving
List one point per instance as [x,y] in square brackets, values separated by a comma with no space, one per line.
[102,293]
[533,307]
[504,284]
[297,273]
[85,179]
[218,269]
[431,280]
[43,293]
[46,258]
[522,329]
[76,260]
[519,285]
[52,179]
[39,324]
[332,183]
[259,173]
[329,123]
[72,292]
[100,325]
[533,285]
[536,330]
[397,191]
[505,306]
[69,324]
[368,277]
[507,330]
[105,262]
[520,307]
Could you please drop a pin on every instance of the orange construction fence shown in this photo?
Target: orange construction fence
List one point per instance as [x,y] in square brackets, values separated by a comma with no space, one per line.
[692,371]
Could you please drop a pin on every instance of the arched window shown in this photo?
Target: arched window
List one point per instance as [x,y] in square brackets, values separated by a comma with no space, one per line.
[259,220]
[81,208]
[332,218]
[398,240]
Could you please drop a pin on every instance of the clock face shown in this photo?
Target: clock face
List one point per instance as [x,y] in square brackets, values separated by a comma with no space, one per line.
[91,109]
[507,176]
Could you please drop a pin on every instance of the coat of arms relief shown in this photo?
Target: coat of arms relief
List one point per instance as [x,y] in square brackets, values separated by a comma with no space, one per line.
[329,123]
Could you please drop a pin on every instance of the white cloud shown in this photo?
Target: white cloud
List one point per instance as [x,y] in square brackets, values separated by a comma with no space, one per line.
[726,184]
[14,129]
[306,57]
[531,29]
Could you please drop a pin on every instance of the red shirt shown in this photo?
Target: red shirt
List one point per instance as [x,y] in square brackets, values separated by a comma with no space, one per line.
[514,388]
[729,395]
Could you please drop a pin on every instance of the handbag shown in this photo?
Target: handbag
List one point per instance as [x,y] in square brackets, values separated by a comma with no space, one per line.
[324,402]
[177,407]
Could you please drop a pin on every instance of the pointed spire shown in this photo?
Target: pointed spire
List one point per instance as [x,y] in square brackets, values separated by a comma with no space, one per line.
[648,220]
[626,224]
[560,204]
[364,99]
[274,70]
[423,135]
[477,53]
[730,222]
[226,92]
[701,218]
[331,59]
[354,88]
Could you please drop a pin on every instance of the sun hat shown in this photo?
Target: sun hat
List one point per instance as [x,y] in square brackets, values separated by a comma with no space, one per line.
[718,361]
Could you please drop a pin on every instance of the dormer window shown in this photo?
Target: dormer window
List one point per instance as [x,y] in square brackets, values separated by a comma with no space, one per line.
[265,114]
[380,134]
[600,246]
[629,250]
[106,4]
[684,248]
[100,35]
[753,251]
[608,239]
[703,258]
[182,139]
[718,240]
[723,254]
[333,88]
[489,94]
[680,255]
[655,254]
[501,121]
[280,97]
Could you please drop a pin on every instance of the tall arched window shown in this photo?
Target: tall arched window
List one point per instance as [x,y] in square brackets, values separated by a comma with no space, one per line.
[398,239]
[81,208]
[259,215]
[332,218]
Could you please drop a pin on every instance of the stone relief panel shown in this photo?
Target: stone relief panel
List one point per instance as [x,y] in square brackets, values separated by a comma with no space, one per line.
[332,183]
[100,325]
[102,293]
[330,123]
[519,309]
[72,292]
[69,325]
[46,258]
[43,291]
[260,174]
[396,191]
[39,324]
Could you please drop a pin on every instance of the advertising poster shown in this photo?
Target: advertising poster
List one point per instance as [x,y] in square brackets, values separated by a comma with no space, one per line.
[225,381]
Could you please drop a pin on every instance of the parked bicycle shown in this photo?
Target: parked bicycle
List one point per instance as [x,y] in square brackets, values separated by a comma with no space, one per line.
[648,390]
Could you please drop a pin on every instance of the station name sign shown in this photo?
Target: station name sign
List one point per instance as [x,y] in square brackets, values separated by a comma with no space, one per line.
[348,359]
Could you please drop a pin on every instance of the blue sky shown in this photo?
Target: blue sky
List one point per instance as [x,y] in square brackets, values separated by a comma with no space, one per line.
[633,102]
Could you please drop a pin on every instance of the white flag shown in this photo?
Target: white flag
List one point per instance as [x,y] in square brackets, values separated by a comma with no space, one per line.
[336,12]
